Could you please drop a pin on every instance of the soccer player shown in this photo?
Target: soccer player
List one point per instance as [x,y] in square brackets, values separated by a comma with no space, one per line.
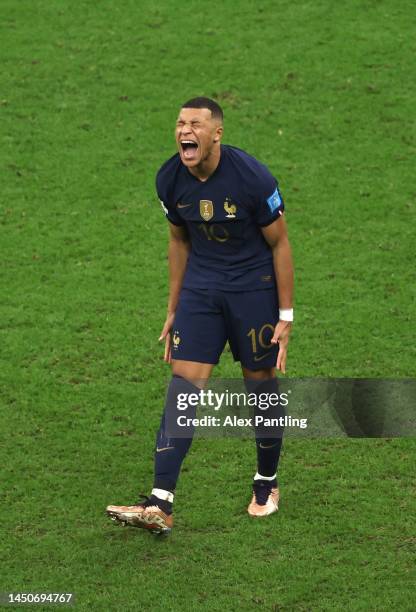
[231,279]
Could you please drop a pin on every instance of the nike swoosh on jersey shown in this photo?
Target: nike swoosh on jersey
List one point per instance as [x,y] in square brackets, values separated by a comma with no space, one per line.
[183,205]
[261,357]
[159,450]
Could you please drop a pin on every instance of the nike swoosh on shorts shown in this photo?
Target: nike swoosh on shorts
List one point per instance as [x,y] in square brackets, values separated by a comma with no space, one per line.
[261,357]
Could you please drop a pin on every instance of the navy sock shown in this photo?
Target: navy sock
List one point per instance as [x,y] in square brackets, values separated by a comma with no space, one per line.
[268,438]
[268,454]
[173,441]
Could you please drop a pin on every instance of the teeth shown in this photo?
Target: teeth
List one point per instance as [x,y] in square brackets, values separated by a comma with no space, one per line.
[187,142]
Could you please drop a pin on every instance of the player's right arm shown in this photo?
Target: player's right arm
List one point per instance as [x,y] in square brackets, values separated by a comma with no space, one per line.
[178,252]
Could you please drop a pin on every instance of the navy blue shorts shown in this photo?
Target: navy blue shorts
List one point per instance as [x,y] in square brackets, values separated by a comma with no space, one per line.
[206,318]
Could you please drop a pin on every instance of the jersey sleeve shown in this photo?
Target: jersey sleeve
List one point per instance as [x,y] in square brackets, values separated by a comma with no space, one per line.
[168,206]
[269,204]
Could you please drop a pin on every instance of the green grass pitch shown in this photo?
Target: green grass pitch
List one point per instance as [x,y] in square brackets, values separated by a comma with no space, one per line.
[322,92]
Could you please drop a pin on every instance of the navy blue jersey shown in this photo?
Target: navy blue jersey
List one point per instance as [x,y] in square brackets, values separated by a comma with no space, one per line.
[224,216]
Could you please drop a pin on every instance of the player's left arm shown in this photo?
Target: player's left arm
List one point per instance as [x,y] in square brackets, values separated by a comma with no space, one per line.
[276,237]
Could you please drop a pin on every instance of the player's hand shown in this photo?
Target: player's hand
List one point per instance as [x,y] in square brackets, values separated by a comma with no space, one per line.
[281,336]
[166,336]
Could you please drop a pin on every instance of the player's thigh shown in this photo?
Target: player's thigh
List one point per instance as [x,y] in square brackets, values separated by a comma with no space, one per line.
[195,372]
[198,332]
[251,319]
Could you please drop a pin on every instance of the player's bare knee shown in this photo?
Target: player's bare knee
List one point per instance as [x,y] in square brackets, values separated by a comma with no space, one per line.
[197,373]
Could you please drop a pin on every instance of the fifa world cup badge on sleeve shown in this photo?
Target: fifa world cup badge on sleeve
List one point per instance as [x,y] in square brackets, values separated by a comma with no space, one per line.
[274,201]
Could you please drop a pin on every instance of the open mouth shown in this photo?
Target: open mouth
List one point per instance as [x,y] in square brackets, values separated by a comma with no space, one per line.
[189,149]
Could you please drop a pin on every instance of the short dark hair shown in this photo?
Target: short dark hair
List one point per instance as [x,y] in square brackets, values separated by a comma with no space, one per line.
[201,102]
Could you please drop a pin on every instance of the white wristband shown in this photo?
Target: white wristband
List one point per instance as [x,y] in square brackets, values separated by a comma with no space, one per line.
[286,314]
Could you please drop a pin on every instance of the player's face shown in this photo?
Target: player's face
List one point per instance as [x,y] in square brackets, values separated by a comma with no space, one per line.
[196,135]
